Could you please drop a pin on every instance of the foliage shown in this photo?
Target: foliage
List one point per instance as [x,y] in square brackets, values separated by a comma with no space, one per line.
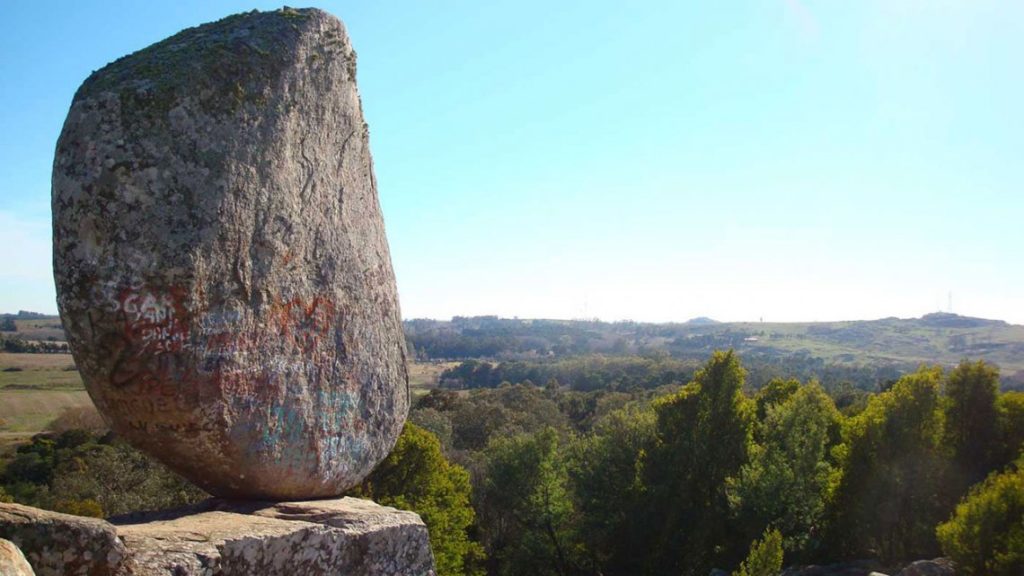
[528,504]
[986,534]
[607,479]
[434,421]
[416,476]
[971,422]
[893,468]
[702,437]
[19,346]
[1010,410]
[765,558]
[776,391]
[79,473]
[786,484]
[650,478]
[591,372]
[503,412]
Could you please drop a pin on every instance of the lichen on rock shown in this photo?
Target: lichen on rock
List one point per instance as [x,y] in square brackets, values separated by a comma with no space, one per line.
[220,258]
[226,538]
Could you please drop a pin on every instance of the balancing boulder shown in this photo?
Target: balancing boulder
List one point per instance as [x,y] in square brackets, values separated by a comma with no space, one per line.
[221,265]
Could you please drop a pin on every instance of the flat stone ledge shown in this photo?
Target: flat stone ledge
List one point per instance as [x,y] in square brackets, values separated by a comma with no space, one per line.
[225,538]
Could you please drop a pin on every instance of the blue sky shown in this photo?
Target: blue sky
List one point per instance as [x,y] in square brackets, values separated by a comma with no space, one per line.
[779,159]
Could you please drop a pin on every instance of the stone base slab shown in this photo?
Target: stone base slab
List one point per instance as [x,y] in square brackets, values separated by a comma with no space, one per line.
[226,538]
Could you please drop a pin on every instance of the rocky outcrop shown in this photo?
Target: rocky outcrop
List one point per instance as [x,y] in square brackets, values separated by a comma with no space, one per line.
[12,561]
[220,259]
[221,538]
[855,568]
[936,567]
[58,544]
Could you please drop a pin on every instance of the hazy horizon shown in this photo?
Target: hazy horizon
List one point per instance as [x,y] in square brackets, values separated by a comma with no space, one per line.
[780,160]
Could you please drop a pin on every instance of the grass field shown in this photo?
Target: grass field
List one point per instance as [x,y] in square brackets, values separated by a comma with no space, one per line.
[32,410]
[43,329]
[423,376]
[38,372]
[891,340]
[35,389]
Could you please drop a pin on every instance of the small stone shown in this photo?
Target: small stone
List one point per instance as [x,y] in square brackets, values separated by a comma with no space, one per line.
[237,316]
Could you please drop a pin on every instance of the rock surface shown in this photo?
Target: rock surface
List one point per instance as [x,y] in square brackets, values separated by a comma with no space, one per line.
[936,567]
[221,538]
[12,561]
[855,568]
[220,259]
[57,544]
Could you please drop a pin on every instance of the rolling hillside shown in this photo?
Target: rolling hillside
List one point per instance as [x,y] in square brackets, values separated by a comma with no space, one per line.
[934,339]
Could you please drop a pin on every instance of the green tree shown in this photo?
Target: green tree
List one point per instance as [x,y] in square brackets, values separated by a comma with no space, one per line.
[893,468]
[985,536]
[702,437]
[434,421]
[101,479]
[416,476]
[787,481]
[530,509]
[1010,408]
[765,557]
[502,412]
[776,391]
[79,473]
[971,423]
[607,479]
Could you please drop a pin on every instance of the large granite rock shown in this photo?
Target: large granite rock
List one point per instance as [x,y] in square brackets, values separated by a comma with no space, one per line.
[220,258]
[12,561]
[222,538]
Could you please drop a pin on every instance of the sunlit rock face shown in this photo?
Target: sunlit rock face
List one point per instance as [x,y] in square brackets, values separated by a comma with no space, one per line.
[220,258]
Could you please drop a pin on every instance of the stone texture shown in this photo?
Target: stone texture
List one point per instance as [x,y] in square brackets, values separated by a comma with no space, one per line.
[936,567]
[12,561]
[855,568]
[60,544]
[229,538]
[221,265]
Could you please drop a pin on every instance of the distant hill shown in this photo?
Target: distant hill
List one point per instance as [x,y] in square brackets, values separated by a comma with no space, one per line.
[27,315]
[890,342]
[31,331]
[946,320]
[701,321]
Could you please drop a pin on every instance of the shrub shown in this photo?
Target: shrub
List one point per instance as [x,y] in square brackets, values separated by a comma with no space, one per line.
[985,536]
[765,558]
[80,473]
[416,476]
[79,418]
